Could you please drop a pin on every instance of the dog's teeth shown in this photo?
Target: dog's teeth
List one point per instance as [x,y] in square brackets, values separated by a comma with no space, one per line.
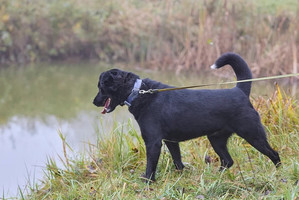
[214,66]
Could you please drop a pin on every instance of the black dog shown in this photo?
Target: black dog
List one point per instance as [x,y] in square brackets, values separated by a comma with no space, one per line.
[180,115]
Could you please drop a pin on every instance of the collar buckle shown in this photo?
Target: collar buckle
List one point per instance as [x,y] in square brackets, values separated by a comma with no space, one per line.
[127,103]
[134,93]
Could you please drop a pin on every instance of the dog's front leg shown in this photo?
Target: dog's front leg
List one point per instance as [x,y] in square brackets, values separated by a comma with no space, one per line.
[153,150]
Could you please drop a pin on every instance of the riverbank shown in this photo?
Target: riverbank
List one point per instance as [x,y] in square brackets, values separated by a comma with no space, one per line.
[176,35]
[113,167]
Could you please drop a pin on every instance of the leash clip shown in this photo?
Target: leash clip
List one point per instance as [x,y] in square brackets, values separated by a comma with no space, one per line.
[150,91]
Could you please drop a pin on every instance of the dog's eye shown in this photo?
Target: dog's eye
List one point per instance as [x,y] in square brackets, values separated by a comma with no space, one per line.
[101,91]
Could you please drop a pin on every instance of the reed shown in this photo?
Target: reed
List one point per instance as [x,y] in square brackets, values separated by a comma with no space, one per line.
[175,35]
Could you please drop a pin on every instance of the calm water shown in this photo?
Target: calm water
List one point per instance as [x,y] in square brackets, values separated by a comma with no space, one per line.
[39,102]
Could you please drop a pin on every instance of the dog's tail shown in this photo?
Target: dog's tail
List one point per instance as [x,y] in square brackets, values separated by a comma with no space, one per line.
[239,66]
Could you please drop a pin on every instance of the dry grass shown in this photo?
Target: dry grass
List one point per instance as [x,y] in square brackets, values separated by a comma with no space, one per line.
[176,35]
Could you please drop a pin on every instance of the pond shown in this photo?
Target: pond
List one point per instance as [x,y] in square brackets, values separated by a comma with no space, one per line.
[39,102]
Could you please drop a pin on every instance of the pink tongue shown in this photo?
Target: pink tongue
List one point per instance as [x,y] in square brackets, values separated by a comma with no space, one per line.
[107,103]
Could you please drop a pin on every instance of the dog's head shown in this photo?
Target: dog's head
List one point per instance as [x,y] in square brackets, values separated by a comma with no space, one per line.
[114,87]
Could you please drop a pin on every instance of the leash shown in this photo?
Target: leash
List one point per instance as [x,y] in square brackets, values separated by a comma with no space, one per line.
[152,91]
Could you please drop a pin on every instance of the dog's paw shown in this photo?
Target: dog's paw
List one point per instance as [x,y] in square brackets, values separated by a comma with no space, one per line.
[278,164]
[179,166]
[222,169]
[146,179]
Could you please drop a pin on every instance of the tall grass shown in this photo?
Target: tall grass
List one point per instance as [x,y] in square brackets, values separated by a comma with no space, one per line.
[113,167]
[177,35]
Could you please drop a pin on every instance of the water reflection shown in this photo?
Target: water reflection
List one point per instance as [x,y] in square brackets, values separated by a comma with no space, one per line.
[26,143]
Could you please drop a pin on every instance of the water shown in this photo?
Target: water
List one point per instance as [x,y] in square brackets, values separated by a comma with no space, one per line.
[38,102]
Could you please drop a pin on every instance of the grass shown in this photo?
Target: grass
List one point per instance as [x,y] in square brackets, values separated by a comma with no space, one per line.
[113,166]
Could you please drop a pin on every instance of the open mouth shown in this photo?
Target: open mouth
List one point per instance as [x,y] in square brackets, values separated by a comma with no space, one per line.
[106,106]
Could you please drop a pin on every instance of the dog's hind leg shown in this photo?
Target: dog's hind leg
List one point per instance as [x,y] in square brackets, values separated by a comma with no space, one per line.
[255,135]
[174,149]
[219,143]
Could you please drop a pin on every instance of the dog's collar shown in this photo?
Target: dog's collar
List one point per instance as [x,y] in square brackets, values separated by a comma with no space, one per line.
[134,93]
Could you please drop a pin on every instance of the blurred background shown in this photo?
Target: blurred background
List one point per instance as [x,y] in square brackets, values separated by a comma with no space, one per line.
[52,52]
[177,35]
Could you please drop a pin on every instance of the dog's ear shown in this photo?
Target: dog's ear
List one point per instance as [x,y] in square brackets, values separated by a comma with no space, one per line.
[129,77]
[112,79]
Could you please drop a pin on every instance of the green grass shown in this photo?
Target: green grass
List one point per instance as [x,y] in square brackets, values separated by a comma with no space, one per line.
[112,168]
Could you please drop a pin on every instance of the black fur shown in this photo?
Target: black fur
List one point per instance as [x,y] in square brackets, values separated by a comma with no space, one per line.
[180,115]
